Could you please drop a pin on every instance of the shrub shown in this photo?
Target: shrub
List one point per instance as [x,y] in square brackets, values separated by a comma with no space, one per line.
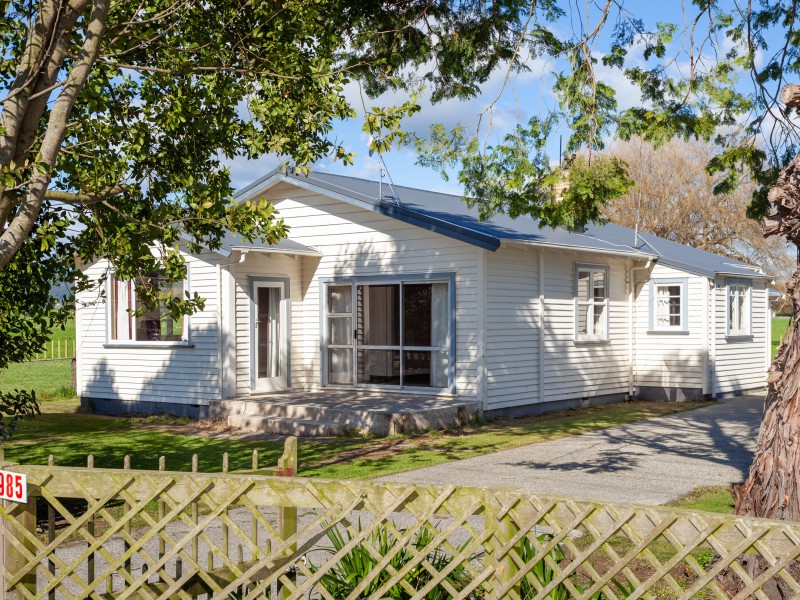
[544,574]
[354,566]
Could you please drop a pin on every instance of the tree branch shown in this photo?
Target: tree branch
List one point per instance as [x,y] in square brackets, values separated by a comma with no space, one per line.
[20,227]
[84,199]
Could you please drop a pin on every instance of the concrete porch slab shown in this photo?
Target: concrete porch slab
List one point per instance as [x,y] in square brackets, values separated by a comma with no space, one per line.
[335,412]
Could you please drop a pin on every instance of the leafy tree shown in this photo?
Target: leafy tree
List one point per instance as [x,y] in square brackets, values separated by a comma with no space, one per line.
[117,118]
[714,76]
[673,197]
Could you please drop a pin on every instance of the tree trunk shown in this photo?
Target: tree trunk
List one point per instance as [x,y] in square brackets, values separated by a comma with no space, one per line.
[772,489]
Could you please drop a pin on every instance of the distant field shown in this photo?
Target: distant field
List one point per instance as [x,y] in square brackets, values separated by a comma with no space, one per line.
[50,379]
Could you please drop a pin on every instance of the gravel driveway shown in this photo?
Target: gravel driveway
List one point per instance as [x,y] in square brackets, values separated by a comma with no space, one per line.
[649,462]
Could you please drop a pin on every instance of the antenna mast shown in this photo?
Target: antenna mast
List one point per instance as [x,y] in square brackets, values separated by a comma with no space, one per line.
[384,170]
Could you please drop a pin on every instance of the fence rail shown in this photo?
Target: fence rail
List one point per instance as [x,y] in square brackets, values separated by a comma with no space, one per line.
[56,350]
[158,534]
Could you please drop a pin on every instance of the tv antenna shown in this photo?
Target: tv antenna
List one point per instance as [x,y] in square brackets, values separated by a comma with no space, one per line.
[384,171]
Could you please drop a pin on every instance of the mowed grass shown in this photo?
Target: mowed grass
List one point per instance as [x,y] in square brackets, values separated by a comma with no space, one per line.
[779,327]
[50,379]
[716,499]
[70,437]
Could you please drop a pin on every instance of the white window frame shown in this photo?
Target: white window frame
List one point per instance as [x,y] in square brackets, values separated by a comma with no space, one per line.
[449,347]
[683,327]
[744,288]
[592,304]
[133,342]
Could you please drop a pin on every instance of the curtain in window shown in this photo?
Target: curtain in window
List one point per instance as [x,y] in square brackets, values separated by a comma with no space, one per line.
[121,319]
[662,306]
[440,322]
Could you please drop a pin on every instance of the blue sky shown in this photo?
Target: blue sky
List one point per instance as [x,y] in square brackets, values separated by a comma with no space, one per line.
[524,95]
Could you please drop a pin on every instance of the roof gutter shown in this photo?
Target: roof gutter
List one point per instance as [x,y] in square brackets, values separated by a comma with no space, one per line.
[246,249]
[753,275]
[634,255]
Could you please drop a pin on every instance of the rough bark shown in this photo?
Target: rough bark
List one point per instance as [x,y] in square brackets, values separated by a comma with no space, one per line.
[772,489]
[790,95]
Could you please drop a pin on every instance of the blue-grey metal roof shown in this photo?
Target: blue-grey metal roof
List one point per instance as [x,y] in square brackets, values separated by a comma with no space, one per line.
[448,215]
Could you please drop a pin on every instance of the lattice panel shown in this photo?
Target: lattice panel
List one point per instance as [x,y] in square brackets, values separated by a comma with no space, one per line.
[150,534]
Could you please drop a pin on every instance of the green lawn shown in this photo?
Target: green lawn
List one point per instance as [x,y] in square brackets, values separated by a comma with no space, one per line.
[69,437]
[51,379]
[779,325]
[711,499]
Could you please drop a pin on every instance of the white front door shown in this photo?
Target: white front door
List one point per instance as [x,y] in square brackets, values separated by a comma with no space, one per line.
[269,336]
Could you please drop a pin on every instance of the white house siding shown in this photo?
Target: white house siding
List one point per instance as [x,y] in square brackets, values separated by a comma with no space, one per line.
[356,242]
[577,370]
[511,328]
[263,265]
[740,363]
[670,360]
[179,375]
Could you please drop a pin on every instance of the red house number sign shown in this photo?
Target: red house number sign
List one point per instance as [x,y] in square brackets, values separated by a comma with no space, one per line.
[13,486]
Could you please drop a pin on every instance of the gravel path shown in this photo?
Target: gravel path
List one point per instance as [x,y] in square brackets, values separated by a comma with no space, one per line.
[649,462]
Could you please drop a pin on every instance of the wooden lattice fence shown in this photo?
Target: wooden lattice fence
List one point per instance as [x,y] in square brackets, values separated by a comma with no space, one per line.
[161,534]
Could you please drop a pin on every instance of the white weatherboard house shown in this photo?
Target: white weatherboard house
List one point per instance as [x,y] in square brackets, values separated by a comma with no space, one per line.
[413,297]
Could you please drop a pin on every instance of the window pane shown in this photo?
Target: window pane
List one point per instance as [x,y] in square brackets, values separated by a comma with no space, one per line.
[599,285]
[340,366]
[740,313]
[121,320]
[340,299]
[340,331]
[417,314]
[583,319]
[268,306]
[675,305]
[668,306]
[378,315]
[583,285]
[380,367]
[422,368]
[156,324]
[599,319]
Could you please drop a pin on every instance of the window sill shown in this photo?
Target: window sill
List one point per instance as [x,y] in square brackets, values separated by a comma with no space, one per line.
[148,345]
[739,338]
[668,332]
[591,341]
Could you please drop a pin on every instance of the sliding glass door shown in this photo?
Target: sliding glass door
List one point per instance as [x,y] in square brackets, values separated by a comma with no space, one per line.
[394,334]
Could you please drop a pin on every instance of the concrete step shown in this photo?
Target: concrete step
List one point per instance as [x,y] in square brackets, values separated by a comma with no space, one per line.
[284,426]
[291,411]
[386,418]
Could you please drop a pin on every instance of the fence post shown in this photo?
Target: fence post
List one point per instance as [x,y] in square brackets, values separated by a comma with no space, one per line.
[13,560]
[287,515]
